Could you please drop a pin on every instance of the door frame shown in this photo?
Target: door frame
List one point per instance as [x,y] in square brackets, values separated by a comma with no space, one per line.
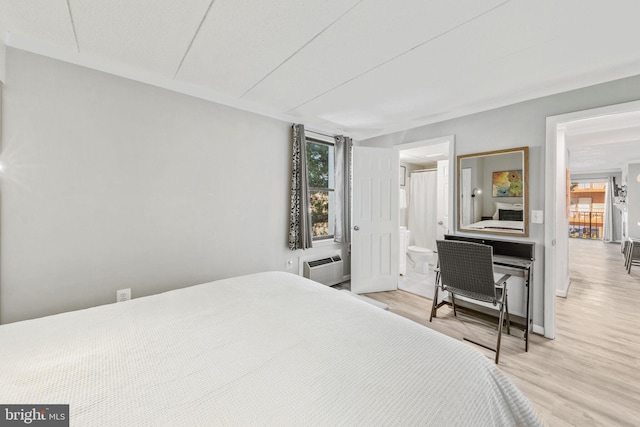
[556,167]
[453,185]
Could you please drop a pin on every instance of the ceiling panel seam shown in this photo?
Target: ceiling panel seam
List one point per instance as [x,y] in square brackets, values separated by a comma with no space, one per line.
[186,52]
[73,26]
[300,48]
[400,55]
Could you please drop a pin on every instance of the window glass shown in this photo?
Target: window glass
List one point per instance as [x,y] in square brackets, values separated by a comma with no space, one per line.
[320,169]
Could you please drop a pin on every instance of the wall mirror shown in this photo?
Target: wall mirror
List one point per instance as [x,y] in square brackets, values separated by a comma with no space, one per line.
[493,194]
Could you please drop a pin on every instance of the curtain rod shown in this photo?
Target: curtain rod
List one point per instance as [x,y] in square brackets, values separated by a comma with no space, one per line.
[318,133]
[425,170]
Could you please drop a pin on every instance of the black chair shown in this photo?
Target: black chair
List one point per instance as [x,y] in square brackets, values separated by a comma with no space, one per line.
[466,269]
[632,253]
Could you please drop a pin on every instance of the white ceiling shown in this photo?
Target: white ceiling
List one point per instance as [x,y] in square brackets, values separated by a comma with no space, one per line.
[425,155]
[360,67]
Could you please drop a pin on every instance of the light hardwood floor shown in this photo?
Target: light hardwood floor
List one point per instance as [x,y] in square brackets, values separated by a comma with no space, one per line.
[590,374]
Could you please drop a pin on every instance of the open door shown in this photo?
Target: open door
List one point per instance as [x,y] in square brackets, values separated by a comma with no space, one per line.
[375,230]
[443,199]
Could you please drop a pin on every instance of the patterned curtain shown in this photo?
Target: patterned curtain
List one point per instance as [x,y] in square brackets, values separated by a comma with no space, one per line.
[342,160]
[300,219]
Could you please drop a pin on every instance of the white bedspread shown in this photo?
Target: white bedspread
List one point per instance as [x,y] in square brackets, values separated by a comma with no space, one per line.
[264,349]
[498,225]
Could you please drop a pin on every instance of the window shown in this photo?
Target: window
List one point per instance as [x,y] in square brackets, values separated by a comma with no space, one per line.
[320,169]
[586,209]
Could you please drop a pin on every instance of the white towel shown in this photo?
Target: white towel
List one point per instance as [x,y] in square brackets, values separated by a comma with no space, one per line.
[403,198]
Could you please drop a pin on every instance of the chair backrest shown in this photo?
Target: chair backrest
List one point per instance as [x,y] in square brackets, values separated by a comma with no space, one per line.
[467,269]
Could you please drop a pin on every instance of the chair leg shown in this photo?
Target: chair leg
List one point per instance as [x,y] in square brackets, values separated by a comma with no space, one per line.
[499,332]
[434,305]
[453,303]
[633,254]
[626,253]
[506,307]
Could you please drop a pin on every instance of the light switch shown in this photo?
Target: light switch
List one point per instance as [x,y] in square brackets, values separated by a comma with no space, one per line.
[537,217]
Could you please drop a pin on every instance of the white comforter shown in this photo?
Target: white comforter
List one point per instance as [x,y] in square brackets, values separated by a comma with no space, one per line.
[264,349]
[498,225]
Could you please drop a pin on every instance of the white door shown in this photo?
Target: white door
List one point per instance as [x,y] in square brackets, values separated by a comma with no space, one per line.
[443,199]
[375,228]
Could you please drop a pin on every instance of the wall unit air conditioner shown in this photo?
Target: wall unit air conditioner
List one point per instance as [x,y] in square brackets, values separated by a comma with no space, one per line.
[327,270]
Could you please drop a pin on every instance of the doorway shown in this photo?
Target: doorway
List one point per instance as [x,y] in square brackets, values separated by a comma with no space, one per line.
[424,210]
[557,155]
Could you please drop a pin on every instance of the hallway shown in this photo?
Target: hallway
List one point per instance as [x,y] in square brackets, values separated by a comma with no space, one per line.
[590,374]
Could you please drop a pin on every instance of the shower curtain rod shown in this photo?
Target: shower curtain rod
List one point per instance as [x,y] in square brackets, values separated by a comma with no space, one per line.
[425,170]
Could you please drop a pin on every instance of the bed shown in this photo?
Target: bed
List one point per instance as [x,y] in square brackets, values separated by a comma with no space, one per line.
[501,225]
[264,349]
[507,217]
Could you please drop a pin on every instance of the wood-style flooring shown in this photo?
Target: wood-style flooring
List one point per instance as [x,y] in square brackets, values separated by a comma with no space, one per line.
[590,374]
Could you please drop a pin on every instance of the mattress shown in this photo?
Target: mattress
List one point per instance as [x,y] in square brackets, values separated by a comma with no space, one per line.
[264,349]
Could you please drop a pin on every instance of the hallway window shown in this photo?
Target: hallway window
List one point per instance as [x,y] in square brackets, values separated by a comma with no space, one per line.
[586,212]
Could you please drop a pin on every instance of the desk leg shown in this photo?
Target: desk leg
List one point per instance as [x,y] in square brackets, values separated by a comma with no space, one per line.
[527,283]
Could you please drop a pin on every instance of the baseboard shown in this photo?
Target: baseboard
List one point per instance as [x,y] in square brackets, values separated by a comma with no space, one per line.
[537,329]
[565,292]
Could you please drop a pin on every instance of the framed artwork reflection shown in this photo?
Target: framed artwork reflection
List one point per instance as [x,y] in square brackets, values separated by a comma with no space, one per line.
[507,183]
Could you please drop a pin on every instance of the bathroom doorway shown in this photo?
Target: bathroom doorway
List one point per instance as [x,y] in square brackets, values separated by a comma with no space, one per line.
[425,211]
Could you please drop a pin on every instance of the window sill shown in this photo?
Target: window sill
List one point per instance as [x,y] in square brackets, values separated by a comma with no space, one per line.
[324,242]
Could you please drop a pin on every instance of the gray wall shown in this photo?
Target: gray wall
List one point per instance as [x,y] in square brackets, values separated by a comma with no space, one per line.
[522,124]
[111,184]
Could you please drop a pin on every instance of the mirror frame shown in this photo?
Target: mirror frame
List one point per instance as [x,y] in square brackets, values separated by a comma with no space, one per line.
[525,189]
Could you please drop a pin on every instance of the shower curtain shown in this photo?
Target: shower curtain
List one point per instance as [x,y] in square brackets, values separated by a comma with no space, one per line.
[422,209]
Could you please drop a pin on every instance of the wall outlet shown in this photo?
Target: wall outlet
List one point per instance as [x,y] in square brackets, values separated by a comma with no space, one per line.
[123,295]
